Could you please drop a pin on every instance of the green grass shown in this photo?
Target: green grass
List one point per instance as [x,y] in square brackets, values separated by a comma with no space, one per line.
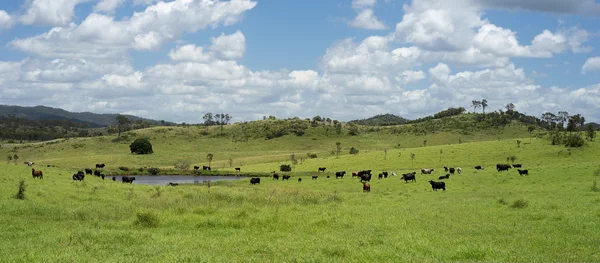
[552,215]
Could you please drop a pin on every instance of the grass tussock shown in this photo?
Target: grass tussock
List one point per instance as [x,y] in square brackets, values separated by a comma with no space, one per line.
[21,193]
[520,203]
[147,219]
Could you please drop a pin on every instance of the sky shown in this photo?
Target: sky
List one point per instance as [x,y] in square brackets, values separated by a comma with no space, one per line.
[176,60]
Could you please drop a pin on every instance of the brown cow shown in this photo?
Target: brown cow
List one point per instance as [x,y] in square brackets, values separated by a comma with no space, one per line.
[366,187]
[37,173]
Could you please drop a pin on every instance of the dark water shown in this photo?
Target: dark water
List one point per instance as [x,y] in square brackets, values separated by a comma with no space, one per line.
[179,179]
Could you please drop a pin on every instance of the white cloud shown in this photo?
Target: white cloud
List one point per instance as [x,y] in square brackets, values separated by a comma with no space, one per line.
[190,53]
[591,64]
[366,19]
[360,4]
[50,12]
[108,6]
[6,21]
[229,46]
[101,36]
[589,7]
[410,76]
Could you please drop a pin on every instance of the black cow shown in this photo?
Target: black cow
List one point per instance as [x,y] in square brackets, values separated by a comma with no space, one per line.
[97,173]
[206,168]
[339,174]
[502,167]
[100,165]
[196,168]
[522,172]
[380,176]
[127,179]
[445,168]
[255,180]
[322,169]
[363,172]
[88,171]
[299,179]
[78,176]
[275,177]
[452,170]
[437,185]
[478,167]
[237,169]
[365,178]
[314,177]
[409,177]
[286,177]
[114,178]
[172,184]
[385,174]
[517,165]
[328,176]
[447,176]
[102,175]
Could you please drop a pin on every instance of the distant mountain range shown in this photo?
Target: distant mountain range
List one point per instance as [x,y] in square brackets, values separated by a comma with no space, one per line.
[94,120]
[595,125]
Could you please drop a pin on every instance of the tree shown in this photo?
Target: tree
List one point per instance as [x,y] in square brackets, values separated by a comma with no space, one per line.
[285,168]
[413,156]
[222,119]
[484,105]
[476,104]
[293,159]
[141,146]
[338,148]
[591,133]
[209,157]
[353,129]
[510,107]
[122,123]
[208,119]
[575,122]
[530,129]
[549,118]
[562,117]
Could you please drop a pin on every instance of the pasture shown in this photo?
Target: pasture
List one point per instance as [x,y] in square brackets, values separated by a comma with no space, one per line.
[551,215]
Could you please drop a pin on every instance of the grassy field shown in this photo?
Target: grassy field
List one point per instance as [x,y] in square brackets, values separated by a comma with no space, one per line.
[552,215]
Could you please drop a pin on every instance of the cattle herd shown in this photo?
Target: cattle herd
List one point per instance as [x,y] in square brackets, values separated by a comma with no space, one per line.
[366,175]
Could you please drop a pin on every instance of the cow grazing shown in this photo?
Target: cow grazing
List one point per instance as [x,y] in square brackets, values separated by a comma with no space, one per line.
[100,165]
[354,174]
[322,169]
[409,177]
[314,177]
[445,168]
[78,176]
[127,179]
[255,180]
[102,175]
[365,178]
[437,185]
[206,168]
[385,174]
[458,170]
[328,176]
[339,174]
[29,163]
[196,168]
[97,173]
[522,172]
[366,187]
[88,171]
[451,170]
[517,165]
[502,167]
[447,176]
[275,177]
[114,178]
[285,177]
[478,167]
[37,173]
[238,169]
[299,180]
[380,176]
[426,171]
[172,184]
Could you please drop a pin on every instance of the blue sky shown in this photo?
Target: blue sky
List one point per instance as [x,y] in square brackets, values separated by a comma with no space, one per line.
[177,59]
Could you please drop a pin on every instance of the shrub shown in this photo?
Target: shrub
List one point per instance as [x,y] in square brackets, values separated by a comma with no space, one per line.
[21,194]
[141,146]
[354,150]
[147,219]
[285,168]
[182,164]
[574,140]
[312,155]
[123,168]
[153,171]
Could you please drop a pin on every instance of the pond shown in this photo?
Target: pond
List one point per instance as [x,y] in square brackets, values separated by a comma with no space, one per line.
[178,179]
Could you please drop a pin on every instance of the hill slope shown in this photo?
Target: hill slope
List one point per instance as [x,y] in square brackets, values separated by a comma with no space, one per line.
[382,120]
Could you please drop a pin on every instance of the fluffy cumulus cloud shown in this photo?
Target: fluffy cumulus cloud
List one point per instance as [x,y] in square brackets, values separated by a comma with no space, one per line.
[101,35]
[440,54]
[591,64]
[6,21]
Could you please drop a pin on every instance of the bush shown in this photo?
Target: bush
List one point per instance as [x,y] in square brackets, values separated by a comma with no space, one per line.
[153,171]
[123,168]
[519,204]
[354,150]
[141,146]
[285,168]
[574,140]
[21,194]
[182,164]
[147,219]
[312,155]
